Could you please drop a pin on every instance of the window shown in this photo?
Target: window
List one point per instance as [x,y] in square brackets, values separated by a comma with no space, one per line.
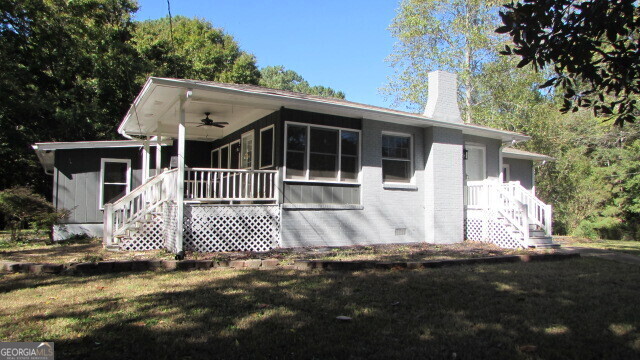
[397,157]
[350,143]
[321,153]
[215,159]
[266,147]
[246,161]
[296,149]
[234,155]
[115,179]
[506,173]
[224,157]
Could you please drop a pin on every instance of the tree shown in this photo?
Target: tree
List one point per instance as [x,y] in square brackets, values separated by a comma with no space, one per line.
[21,206]
[66,74]
[193,49]
[451,35]
[277,77]
[592,46]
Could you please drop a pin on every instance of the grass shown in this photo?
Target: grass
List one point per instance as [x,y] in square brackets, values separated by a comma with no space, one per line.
[585,308]
[35,249]
[627,247]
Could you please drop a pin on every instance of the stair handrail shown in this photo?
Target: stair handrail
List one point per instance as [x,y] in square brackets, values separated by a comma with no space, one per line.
[124,212]
[539,213]
[510,208]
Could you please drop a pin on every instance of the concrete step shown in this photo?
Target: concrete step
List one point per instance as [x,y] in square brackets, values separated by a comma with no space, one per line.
[537,233]
[541,242]
[112,248]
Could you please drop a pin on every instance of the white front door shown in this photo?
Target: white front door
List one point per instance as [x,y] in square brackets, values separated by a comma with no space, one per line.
[475,164]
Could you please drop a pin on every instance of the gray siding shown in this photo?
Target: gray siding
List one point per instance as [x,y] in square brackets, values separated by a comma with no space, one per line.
[383,210]
[297,193]
[520,170]
[492,147]
[77,180]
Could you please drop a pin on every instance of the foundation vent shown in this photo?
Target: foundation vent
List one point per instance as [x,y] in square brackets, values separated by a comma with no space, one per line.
[401,231]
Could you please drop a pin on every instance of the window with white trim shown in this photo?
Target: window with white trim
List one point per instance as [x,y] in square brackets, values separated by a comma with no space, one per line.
[115,179]
[397,158]
[322,153]
[267,139]
[246,159]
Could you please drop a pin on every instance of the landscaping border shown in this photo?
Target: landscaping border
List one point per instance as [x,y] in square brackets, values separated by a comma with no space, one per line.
[108,267]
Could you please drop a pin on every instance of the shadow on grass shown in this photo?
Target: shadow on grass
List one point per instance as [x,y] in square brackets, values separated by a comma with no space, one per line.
[574,309]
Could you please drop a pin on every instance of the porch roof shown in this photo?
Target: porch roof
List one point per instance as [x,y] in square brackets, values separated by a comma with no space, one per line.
[46,150]
[155,110]
[525,155]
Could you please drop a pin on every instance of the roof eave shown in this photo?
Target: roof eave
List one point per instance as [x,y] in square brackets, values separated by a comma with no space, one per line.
[373,114]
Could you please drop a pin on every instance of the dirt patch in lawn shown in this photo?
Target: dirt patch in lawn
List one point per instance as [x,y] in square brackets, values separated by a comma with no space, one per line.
[395,252]
[91,250]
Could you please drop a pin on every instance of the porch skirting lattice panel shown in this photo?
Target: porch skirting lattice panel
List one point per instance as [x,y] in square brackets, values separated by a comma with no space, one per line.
[487,226]
[213,228]
[170,215]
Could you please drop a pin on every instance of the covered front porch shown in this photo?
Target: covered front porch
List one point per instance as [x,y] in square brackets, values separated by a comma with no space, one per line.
[230,205]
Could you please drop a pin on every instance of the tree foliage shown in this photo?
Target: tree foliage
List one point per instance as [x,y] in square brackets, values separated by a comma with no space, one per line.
[450,35]
[592,46]
[66,74]
[277,77]
[20,206]
[194,49]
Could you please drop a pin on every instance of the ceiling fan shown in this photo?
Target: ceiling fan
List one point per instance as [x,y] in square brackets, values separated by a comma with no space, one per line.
[209,122]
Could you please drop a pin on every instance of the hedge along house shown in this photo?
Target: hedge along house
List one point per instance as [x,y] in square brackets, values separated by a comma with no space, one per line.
[224,167]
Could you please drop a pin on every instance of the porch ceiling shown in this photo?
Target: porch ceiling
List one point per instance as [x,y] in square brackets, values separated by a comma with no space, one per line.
[156,112]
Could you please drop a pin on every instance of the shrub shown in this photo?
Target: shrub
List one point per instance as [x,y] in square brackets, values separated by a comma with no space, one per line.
[21,207]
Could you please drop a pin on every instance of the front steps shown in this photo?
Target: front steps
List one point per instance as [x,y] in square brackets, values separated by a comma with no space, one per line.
[538,239]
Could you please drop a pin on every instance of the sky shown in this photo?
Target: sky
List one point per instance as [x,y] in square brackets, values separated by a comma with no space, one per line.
[340,44]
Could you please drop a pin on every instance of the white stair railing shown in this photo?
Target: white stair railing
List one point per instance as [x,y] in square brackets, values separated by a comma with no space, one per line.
[202,184]
[538,212]
[513,201]
[133,207]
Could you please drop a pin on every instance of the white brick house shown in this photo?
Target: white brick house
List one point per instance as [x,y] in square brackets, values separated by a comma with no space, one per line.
[222,167]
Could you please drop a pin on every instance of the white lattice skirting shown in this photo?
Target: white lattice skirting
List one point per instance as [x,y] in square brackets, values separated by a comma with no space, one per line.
[170,215]
[487,226]
[213,228]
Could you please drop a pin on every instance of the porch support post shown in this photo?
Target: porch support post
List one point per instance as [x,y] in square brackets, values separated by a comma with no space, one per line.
[158,154]
[146,152]
[180,187]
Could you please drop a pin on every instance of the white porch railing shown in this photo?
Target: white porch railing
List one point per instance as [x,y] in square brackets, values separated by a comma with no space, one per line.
[126,211]
[538,212]
[202,184]
[513,201]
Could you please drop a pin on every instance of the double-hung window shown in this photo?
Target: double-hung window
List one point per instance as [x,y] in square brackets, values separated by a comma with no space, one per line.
[266,147]
[320,153]
[246,160]
[115,179]
[397,158]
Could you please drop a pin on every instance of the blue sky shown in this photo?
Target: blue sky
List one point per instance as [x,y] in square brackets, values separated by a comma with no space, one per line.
[341,44]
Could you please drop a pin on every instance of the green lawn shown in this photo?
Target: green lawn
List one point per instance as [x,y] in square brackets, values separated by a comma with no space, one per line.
[627,247]
[578,309]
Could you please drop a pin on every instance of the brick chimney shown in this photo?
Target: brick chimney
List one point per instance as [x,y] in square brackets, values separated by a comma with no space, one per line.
[442,101]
